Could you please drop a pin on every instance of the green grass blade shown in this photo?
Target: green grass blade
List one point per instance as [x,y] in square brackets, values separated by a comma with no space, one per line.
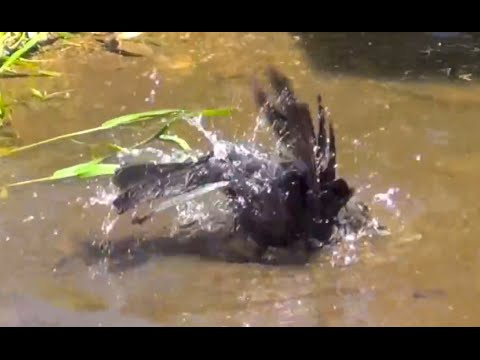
[128,119]
[19,53]
[84,170]
[28,182]
[122,120]
[157,135]
[33,61]
[95,167]
[75,170]
[133,118]
[218,112]
[49,73]
[47,141]
[177,140]
[99,170]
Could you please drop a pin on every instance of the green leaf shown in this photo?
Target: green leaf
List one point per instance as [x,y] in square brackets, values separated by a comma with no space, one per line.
[27,65]
[133,118]
[49,73]
[95,167]
[102,151]
[75,170]
[84,170]
[19,53]
[177,140]
[99,170]
[218,112]
[174,114]
[32,61]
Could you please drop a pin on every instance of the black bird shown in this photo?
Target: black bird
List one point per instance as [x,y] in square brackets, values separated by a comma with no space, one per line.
[277,200]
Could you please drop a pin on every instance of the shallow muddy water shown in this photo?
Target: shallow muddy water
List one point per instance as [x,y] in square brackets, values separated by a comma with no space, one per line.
[407,130]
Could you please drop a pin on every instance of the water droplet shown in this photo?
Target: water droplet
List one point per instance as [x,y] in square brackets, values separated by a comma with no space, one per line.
[29,218]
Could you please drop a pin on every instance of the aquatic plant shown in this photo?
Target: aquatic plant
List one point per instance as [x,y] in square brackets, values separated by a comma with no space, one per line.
[15,46]
[44,96]
[14,49]
[96,167]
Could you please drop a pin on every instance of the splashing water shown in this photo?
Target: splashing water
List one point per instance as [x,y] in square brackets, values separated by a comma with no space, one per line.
[196,213]
[104,196]
[148,154]
[387,197]
[192,212]
[222,148]
[196,122]
[109,222]
[157,80]
[344,253]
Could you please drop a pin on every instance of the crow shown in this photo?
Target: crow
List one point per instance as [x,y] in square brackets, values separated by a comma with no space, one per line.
[277,200]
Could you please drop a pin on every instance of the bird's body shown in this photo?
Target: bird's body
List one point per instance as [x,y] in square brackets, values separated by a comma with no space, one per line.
[276,200]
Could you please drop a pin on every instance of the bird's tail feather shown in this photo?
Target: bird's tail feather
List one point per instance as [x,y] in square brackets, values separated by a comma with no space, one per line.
[145,182]
[290,119]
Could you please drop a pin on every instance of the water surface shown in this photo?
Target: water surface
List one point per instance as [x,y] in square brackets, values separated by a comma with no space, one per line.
[407,131]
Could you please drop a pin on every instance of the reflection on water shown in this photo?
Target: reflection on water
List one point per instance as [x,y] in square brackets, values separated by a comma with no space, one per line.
[407,141]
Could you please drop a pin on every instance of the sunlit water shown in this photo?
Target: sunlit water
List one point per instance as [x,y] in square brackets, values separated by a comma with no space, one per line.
[407,140]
